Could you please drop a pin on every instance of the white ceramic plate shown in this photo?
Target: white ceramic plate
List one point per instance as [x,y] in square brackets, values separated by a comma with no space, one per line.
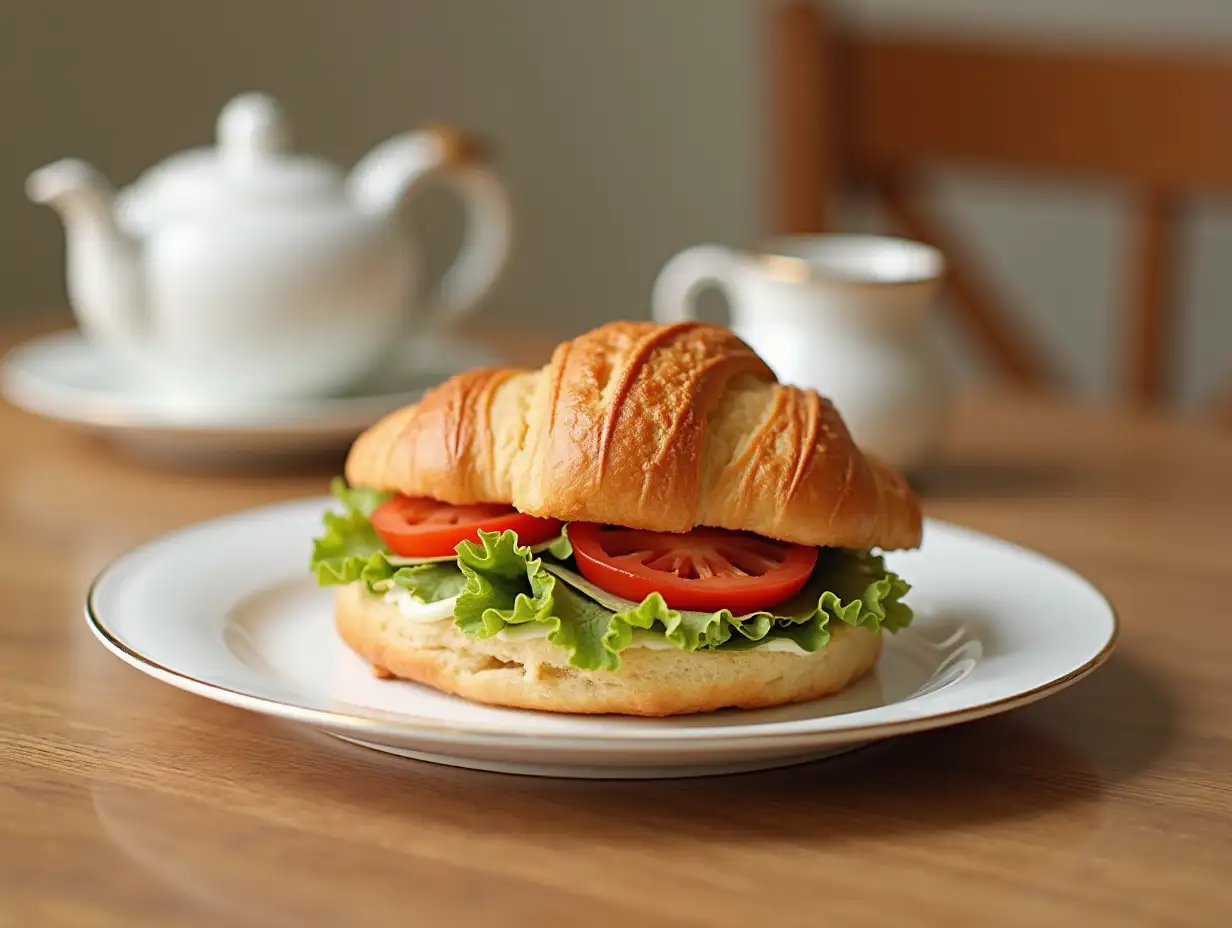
[227,609]
[63,376]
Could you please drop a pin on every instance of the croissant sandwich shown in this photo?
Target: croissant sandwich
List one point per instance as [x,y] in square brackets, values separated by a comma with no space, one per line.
[649,525]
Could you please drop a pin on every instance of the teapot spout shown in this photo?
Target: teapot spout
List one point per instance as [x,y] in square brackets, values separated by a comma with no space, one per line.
[105,282]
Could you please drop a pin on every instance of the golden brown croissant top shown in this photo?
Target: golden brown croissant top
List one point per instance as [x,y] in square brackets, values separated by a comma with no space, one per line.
[647,426]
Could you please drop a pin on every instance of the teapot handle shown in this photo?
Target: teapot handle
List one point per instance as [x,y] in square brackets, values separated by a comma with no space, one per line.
[392,174]
[485,248]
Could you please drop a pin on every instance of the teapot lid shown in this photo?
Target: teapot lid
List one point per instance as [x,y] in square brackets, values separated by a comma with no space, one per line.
[250,166]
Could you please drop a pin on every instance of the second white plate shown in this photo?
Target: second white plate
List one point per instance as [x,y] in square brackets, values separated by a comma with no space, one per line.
[65,377]
[226,609]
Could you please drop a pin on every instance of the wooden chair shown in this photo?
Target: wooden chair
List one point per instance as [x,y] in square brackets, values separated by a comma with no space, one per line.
[876,110]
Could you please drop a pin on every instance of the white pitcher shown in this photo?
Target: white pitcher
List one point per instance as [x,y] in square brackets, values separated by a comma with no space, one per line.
[842,314]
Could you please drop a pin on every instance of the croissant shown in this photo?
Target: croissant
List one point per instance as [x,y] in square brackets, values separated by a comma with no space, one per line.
[646,426]
[654,427]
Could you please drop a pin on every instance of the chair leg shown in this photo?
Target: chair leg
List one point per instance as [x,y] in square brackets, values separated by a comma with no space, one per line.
[1150,338]
[804,153]
[973,297]
[1219,405]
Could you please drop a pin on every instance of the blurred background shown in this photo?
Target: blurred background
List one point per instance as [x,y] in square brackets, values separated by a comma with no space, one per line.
[625,132]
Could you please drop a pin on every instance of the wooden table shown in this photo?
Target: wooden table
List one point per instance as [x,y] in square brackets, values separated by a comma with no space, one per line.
[126,802]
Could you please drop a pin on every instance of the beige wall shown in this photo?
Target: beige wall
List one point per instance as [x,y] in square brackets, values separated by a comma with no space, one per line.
[622,128]
[625,129]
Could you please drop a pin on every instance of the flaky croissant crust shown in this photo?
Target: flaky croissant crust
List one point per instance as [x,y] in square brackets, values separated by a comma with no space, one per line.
[647,426]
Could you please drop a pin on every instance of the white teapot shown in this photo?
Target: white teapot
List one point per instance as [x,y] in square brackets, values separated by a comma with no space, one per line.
[245,272]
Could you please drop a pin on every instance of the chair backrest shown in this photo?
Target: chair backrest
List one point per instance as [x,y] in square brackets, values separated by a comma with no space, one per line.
[876,110]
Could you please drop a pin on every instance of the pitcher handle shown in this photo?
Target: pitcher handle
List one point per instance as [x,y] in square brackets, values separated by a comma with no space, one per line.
[684,276]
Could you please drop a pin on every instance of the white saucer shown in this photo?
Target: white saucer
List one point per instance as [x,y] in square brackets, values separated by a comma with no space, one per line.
[226,609]
[63,376]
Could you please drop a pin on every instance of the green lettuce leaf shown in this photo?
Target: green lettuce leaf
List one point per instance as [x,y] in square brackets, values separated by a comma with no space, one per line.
[350,548]
[350,544]
[851,586]
[430,583]
[358,500]
[507,585]
[499,583]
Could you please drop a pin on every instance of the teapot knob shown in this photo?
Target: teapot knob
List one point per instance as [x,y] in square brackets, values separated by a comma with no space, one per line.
[251,127]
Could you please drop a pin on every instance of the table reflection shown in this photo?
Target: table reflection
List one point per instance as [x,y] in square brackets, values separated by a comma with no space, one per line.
[296,828]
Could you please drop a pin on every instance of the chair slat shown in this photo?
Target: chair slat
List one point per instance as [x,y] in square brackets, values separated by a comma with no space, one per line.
[1153,121]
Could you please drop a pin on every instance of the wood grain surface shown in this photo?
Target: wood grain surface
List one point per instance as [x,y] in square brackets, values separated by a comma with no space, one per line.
[126,802]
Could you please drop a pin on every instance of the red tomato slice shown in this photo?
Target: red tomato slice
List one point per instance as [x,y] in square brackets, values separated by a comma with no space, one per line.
[427,528]
[706,569]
